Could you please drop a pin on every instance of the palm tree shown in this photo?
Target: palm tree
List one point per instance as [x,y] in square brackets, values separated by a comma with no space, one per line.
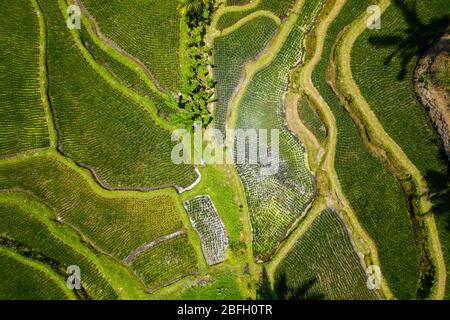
[191,7]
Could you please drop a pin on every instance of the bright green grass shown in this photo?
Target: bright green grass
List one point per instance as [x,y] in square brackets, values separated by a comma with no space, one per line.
[276,202]
[324,256]
[148,30]
[218,286]
[124,74]
[22,119]
[392,99]
[372,191]
[311,119]
[116,224]
[28,229]
[231,53]
[166,262]
[278,7]
[98,126]
[19,281]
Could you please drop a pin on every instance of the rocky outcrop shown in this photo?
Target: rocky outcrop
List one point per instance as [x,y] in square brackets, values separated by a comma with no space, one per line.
[433,95]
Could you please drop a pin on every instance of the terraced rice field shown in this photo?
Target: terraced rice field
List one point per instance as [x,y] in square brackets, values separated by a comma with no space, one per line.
[206,221]
[360,174]
[324,263]
[20,281]
[100,138]
[126,75]
[384,71]
[165,262]
[86,176]
[278,7]
[231,53]
[22,120]
[276,202]
[115,224]
[29,230]
[148,30]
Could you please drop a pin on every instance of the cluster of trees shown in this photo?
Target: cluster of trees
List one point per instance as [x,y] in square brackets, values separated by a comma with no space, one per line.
[198,86]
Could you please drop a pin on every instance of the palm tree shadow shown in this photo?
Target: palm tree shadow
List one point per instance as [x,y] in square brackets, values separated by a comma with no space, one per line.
[439,187]
[414,40]
[282,291]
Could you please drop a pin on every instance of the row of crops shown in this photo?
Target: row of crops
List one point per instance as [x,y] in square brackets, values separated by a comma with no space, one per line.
[323,264]
[22,121]
[126,75]
[383,65]
[148,30]
[279,7]
[20,281]
[30,231]
[98,126]
[165,262]
[231,53]
[206,221]
[116,223]
[373,192]
[276,202]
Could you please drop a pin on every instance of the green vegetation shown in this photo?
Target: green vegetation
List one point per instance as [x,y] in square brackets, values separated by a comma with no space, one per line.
[22,120]
[30,231]
[20,281]
[276,202]
[115,224]
[197,91]
[383,64]
[373,192]
[129,77]
[148,30]
[278,7]
[124,151]
[217,286]
[324,261]
[231,53]
[165,262]
[311,119]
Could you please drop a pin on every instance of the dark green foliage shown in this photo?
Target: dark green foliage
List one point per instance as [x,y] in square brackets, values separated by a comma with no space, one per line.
[197,89]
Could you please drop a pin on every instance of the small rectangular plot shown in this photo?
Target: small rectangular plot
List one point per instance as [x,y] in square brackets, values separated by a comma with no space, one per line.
[206,221]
